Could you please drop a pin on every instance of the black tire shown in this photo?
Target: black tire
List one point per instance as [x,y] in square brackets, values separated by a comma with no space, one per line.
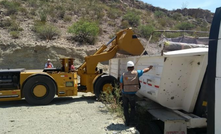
[32,82]
[104,79]
[97,80]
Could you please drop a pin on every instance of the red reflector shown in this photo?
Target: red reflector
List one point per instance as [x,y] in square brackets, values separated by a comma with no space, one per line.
[140,81]
[13,92]
[144,83]
[156,86]
[150,84]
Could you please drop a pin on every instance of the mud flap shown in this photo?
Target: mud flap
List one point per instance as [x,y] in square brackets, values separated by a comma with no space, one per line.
[175,127]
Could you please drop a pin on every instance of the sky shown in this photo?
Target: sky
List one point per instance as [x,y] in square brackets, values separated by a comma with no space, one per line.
[177,4]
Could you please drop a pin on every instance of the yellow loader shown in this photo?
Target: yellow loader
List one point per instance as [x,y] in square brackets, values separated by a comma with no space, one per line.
[41,87]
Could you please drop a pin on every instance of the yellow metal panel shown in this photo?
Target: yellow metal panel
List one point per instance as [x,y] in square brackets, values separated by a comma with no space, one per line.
[96,78]
[75,75]
[129,43]
[63,80]
[66,67]
[87,80]
[24,76]
[15,95]
[90,79]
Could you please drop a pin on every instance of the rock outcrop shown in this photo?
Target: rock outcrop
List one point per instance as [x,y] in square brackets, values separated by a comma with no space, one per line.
[32,56]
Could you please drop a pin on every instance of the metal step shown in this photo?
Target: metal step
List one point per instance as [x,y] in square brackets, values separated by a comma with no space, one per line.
[9,96]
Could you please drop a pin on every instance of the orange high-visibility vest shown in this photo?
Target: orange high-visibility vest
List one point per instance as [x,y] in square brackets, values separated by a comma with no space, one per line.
[49,66]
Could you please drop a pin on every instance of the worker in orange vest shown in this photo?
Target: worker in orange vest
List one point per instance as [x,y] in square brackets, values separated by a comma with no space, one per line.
[49,64]
[129,85]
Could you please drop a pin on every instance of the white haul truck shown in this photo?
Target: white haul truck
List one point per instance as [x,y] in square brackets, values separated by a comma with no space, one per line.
[183,89]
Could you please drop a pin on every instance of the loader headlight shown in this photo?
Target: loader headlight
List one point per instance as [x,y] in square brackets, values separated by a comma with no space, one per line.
[69,84]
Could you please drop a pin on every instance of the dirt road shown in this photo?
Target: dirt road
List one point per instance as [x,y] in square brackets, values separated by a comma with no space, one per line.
[73,115]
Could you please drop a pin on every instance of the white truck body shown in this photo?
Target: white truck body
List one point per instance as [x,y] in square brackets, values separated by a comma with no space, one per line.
[218,86]
[175,80]
[186,84]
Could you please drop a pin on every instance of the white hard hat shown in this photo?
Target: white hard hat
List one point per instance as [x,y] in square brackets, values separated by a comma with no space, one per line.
[49,60]
[130,64]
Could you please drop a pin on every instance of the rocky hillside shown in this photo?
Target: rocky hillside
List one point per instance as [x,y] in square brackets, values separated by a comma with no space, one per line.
[32,31]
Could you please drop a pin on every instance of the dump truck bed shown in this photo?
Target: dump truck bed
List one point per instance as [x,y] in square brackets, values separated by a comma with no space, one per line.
[174,81]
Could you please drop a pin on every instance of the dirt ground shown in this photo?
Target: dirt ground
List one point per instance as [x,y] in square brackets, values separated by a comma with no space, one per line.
[71,115]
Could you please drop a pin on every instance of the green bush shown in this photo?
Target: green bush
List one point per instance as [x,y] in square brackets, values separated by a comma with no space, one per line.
[113,102]
[173,35]
[14,26]
[146,30]
[159,14]
[113,13]
[67,18]
[184,26]
[12,6]
[46,31]
[43,16]
[23,10]
[37,24]
[125,24]
[14,34]
[205,28]
[32,3]
[33,12]
[177,16]
[5,23]
[111,23]
[163,22]
[60,11]
[96,12]
[132,18]
[84,31]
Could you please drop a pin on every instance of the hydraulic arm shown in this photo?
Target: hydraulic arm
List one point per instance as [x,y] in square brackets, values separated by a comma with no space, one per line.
[125,42]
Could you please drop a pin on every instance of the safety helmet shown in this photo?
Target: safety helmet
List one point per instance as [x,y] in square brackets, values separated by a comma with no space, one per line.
[130,64]
[49,60]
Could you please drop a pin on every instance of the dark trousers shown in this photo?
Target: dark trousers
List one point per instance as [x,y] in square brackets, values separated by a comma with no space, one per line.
[129,100]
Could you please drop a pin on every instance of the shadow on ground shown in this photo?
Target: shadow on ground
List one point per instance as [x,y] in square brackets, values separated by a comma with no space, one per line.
[117,127]
[55,101]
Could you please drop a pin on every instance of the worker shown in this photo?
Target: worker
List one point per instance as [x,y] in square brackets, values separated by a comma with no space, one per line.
[49,64]
[71,66]
[129,85]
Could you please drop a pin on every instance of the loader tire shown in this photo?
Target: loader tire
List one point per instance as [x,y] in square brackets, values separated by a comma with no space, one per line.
[39,90]
[104,83]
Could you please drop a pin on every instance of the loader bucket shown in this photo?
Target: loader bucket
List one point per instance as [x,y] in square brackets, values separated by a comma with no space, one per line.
[129,43]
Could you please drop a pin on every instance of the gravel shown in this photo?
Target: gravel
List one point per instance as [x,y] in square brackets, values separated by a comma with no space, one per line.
[70,115]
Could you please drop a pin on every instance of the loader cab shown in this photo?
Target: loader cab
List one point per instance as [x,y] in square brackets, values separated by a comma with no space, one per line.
[66,63]
[65,66]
